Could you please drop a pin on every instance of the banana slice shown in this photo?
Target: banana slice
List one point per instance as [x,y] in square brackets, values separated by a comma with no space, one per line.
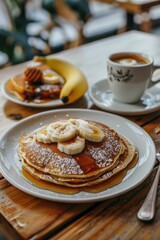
[42,136]
[50,77]
[61,131]
[72,147]
[88,131]
[91,133]
[78,122]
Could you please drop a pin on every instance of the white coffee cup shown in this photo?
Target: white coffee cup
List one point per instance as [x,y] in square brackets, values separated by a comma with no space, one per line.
[129,74]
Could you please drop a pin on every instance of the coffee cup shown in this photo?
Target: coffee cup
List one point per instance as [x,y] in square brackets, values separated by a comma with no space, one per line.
[129,74]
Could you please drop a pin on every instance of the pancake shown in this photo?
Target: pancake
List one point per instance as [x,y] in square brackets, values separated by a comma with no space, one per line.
[37,91]
[95,159]
[95,164]
[125,159]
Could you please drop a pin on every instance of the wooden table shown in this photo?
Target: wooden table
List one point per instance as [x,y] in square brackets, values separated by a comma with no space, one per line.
[133,7]
[23,216]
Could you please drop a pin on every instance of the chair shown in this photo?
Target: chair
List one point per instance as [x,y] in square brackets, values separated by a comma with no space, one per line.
[106,20]
[15,41]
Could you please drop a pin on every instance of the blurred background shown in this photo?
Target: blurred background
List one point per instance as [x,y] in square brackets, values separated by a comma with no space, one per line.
[43,27]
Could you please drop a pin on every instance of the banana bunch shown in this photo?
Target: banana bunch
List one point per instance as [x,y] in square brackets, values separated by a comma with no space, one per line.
[70,135]
[76,83]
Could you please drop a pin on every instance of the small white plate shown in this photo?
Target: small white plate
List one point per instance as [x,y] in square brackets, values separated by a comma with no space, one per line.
[13,98]
[10,165]
[67,71]
[101,95]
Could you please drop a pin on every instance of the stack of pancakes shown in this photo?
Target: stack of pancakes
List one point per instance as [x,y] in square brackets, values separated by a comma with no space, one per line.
[35,91]
[97,162]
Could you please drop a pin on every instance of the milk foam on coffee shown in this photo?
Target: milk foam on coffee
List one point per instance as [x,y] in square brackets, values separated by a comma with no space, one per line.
[128,61]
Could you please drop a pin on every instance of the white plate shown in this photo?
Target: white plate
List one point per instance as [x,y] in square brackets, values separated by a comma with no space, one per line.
[10,165]
[13,98]
[66,70]
[82,102]
[101,95]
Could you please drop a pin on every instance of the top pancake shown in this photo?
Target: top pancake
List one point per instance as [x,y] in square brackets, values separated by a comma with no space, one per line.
[95,159]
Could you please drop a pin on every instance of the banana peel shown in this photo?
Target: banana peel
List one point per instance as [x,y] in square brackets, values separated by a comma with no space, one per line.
[76,84]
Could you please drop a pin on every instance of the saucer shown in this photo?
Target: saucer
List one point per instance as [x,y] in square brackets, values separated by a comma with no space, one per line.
[101,95]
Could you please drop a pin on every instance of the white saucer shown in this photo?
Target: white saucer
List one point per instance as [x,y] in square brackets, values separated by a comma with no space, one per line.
[101,95]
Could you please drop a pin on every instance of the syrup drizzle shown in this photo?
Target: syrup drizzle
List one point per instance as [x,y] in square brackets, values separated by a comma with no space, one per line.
[113,181]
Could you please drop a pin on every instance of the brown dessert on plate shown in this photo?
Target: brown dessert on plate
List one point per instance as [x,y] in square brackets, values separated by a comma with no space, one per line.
[76,154]
[38,83]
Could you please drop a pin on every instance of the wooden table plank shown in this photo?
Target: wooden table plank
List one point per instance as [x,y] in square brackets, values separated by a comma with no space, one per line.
[115,220]
[31,216]
[3,184]
[15,112]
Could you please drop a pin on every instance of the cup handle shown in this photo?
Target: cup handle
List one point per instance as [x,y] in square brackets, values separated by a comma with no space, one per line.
[156,73]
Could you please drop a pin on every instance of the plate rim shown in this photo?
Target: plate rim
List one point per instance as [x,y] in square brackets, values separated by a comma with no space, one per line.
[70,199]
[131,113]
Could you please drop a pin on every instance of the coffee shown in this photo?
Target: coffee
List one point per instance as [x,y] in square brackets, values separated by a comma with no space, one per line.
[129,75]
[129,59]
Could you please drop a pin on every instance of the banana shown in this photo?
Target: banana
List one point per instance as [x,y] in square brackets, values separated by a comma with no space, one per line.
[42,136]
[88,131]
[60,131]
[77,122]
[91,133]
[50,77]
[70,135]
[76,83]
[72,147]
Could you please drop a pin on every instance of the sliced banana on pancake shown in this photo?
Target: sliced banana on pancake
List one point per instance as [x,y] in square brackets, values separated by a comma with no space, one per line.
[42,136]
[60,131]
[64,130]
[88,131]
[91,133]
[72,147]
